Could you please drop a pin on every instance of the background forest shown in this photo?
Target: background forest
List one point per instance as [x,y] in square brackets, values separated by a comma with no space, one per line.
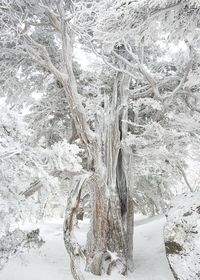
[99,119]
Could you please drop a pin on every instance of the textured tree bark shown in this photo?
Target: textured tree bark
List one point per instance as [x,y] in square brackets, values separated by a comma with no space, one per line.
[122,207]
[112,202]
[97,237]
[111,228]
[112,214]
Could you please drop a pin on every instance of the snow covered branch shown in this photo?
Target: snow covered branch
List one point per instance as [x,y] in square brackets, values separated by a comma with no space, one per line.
[45,59]
[183,80]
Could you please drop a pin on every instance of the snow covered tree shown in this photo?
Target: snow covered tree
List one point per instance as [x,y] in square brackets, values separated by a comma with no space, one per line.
[126,38]
[26,168]
[109,231]
[138,104]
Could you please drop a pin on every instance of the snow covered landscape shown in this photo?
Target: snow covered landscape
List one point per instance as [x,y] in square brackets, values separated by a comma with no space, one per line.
[99,139]
[52,262]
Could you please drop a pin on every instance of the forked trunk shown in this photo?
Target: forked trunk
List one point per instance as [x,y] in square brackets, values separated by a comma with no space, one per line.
[111,231]
[110,240]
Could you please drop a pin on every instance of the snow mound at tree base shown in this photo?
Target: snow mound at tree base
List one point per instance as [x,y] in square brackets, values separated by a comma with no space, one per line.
[182,237]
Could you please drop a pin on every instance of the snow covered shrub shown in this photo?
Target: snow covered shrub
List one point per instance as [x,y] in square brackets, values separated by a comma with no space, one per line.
[18,241]
[182,237]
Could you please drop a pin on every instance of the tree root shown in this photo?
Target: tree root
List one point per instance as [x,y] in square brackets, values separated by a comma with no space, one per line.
[114,263]
[99,259]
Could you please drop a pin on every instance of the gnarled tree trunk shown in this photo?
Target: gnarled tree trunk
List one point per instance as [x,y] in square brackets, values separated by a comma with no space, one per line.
[111,228]
[110,239]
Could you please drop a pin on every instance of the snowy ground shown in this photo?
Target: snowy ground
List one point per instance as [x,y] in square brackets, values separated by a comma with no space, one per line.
[51,262]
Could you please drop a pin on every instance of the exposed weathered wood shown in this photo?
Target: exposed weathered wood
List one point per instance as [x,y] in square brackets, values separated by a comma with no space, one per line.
[109,230]
[72,246]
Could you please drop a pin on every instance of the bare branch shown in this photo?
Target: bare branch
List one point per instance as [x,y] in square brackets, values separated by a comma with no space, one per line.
[102,57]
[34,187]
[144,71]
[166,9]
[184,176]
[74,135]
[130,52]
[147,91]
[124,60]
[37,184]
[139,89]
[145,94]
[53,17]
[119,69]
[34,55]
[59,5]
[187,70]
[38,23]
[46,62]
